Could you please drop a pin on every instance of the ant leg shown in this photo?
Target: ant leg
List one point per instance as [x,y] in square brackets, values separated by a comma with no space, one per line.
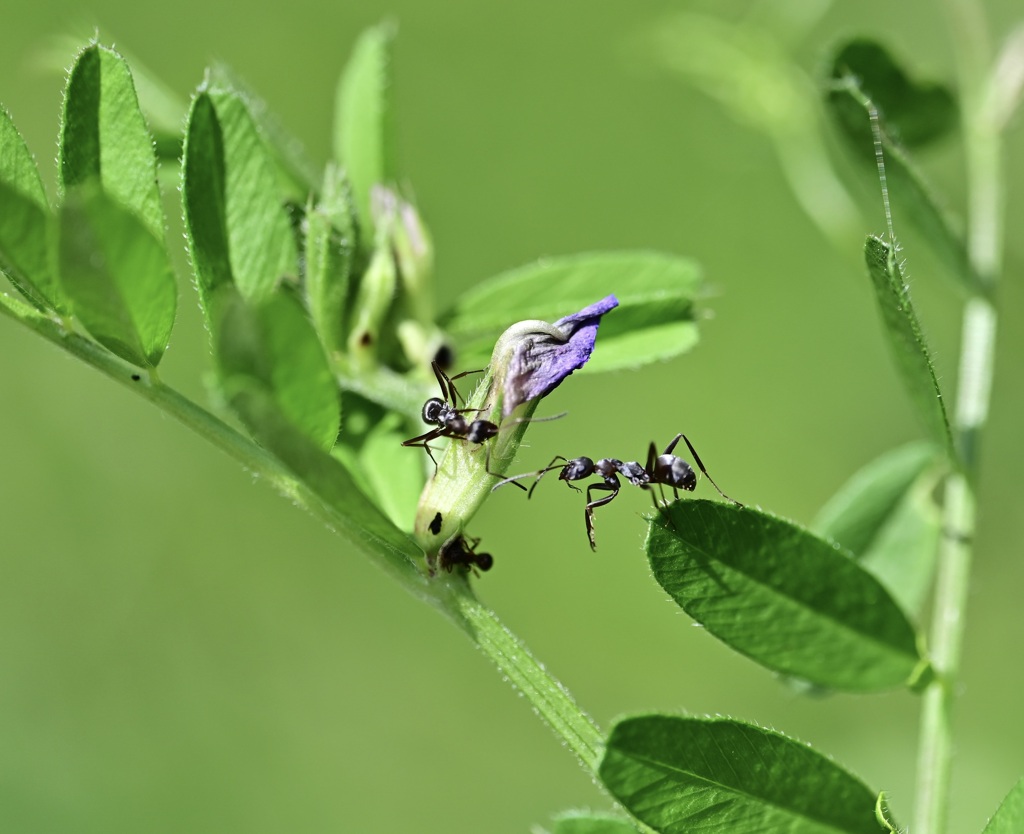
[423,442]
[433,434]
[699,463]
[444,383]
[487,469]
[588,513]
[522,420]
[447,383]
[660,506]
[652,456]
[429,450]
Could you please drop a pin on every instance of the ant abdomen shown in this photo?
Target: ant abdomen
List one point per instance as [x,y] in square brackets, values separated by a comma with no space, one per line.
[674,472]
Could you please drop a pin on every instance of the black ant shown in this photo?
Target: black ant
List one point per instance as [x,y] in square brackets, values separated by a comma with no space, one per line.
[450,420]
[663,470]
[460,551]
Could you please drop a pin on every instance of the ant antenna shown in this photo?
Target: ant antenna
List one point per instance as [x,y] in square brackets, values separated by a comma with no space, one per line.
[537,475]
[700,465]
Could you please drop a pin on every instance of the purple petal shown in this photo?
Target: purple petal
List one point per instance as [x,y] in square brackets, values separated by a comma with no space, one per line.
[540,362]
[594,311]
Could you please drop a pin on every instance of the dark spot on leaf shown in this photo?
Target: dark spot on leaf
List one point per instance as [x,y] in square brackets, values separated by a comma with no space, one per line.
[435,524]
[136,377]
[366,339]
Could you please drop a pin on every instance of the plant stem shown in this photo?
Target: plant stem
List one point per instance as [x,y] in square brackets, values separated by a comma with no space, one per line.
[982,143]
[552,701]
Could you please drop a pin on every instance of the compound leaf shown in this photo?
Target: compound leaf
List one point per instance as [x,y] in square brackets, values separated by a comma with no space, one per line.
[780,595]
[655,318]
[679,774]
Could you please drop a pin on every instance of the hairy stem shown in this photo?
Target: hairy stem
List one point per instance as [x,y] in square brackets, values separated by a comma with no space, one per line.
[552,701]
[982,143]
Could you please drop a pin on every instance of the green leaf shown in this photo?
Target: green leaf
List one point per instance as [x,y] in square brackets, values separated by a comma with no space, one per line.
[104,136]
[325,476]
[1009,818]
[363,132]
[681,775]
[580,822]
[331,242]
[117,274]
[886,517]
[391,477]
[273,342]
[655,318]
[287,150]
[236,225]
[916,113]
[911,197]
[906,340]
[25,222]
[780,595]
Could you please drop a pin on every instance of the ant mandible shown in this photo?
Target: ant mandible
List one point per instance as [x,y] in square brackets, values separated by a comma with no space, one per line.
[664,470]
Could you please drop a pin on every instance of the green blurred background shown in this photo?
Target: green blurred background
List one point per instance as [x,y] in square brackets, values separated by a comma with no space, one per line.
[181,650]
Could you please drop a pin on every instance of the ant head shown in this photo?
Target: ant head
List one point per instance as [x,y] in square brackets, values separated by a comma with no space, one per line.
[576,469]
[432,410]
[484,561]
[675,472]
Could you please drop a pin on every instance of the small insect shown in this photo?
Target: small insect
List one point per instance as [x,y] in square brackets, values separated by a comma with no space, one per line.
[459,550]
[450,421]
[664,470]
[447,418]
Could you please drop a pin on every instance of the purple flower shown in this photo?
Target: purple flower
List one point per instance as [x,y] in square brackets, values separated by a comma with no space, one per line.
[543,358]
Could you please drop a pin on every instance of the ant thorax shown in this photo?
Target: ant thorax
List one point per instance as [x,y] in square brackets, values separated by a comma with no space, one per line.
[455,423]
[635,473]
[607,468]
